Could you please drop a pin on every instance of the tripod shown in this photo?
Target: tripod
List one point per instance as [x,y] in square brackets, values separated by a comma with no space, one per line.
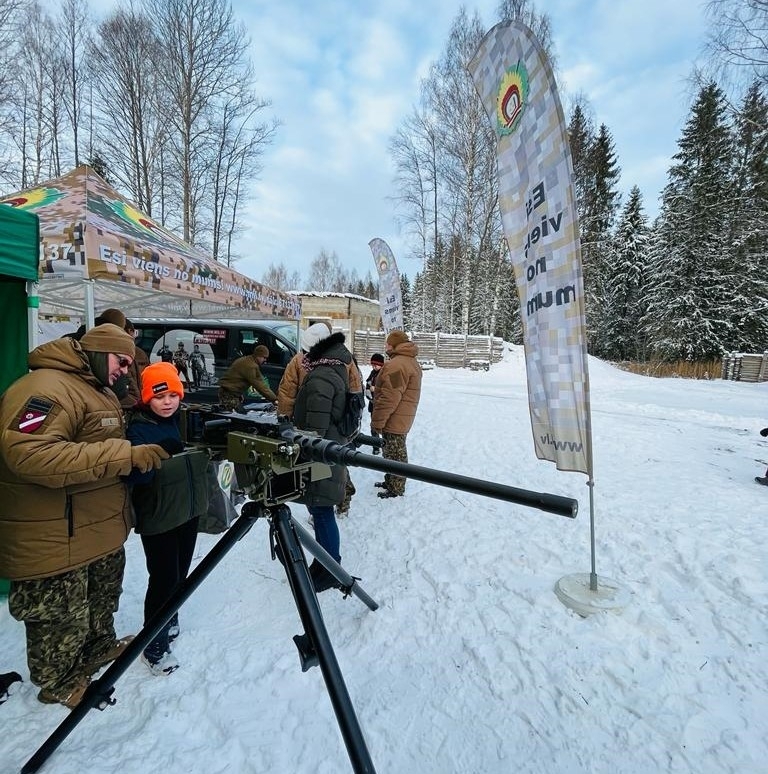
[314,645]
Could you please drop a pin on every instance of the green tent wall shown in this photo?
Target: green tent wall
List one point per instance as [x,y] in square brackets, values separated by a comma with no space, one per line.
[19,258]
[19,249]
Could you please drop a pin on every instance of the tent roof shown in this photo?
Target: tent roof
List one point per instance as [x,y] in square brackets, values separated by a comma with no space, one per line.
[88,231]
[19,239]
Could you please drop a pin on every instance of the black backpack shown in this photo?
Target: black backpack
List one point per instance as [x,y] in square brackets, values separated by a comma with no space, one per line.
[354,405]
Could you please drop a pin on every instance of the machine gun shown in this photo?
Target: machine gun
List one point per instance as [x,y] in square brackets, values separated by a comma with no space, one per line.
[274,463]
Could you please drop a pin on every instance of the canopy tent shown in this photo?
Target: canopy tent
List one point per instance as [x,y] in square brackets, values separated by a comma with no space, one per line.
[98,250]
[19,239]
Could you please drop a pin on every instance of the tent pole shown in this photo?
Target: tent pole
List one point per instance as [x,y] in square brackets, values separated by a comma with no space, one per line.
[90,315]
[33,305]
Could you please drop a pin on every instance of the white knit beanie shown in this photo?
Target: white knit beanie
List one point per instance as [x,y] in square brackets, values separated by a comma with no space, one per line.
[313,334]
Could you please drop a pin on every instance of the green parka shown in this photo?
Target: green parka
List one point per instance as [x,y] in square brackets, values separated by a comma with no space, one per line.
[62,452]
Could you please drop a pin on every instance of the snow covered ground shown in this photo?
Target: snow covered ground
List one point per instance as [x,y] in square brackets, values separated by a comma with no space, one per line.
[471,664]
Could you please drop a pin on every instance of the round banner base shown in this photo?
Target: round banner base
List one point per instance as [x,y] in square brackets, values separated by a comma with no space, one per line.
[574,592]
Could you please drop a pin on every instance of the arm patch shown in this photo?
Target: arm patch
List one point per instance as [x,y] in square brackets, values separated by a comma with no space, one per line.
[32,417]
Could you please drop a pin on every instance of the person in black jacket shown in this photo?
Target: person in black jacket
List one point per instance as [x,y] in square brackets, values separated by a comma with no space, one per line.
[377,361]
[319,406]
[167,503]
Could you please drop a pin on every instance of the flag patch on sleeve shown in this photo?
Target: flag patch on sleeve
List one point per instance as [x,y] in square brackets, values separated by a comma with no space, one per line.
[34,414]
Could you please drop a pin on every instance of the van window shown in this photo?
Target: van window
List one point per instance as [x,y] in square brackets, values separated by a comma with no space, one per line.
[248,339]
[202,350]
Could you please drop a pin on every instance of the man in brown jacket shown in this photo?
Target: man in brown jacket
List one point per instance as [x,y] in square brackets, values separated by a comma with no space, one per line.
[64,513]
[398,389]
[242,374]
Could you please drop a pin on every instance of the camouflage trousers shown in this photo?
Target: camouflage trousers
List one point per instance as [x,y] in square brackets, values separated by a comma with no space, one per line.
[394,449]
[349,492]
[229,400]
[69,618]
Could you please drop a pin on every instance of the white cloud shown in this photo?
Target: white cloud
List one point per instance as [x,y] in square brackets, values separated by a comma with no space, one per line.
[342,76]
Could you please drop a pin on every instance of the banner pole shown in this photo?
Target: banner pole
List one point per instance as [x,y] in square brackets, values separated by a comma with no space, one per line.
[539,213]
[593,573]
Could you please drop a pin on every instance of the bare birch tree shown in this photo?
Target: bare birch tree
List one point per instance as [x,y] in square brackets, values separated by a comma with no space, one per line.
[125,58]
[37,108]
[75,25]
[206,54]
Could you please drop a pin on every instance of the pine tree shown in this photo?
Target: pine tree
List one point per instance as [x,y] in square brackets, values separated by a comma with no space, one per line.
[599,207]
[618,336]
[749,298]
[687,293]
[580,138]
[407,301]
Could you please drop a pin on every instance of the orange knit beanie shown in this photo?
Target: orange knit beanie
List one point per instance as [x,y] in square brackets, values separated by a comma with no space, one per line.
[158,378]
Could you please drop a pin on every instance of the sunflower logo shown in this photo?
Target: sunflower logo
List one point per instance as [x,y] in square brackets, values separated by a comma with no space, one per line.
[383,263]
[511,99]
[133,216]
[31,200]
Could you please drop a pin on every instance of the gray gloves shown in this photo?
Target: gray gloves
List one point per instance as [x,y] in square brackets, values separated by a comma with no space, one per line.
[148,456]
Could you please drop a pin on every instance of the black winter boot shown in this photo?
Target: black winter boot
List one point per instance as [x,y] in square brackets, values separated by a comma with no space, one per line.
[322,580]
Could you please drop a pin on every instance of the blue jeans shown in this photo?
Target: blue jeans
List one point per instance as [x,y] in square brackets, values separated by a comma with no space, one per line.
[326,529]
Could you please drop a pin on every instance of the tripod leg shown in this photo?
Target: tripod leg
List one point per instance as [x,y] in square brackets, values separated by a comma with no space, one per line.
[312,619]
[99,692]
[349,584]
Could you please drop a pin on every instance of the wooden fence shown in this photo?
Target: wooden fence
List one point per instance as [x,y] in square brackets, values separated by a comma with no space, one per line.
[447,350]
[741,367]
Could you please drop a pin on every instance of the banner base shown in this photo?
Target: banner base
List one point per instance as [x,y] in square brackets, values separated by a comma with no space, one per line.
[575,593]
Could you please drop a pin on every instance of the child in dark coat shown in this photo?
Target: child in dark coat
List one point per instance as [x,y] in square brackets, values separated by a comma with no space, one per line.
[377,361]
[166,502]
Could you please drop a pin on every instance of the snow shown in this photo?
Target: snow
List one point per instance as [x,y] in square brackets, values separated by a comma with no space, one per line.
[471,664]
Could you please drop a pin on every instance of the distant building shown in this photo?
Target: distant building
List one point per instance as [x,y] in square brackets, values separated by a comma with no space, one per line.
[345,312]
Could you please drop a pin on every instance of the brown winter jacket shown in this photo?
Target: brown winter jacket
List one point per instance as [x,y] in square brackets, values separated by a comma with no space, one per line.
[245,373]
[398,389]
[62,450]
[294,375]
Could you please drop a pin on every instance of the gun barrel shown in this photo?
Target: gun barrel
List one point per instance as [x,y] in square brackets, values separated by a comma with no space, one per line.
[330,452]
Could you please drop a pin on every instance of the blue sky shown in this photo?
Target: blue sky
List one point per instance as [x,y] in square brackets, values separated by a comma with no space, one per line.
[342,75]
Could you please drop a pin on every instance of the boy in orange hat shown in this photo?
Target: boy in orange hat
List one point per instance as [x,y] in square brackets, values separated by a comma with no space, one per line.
[167,502]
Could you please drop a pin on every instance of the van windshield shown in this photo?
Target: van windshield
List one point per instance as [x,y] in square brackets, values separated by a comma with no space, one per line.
[289,331]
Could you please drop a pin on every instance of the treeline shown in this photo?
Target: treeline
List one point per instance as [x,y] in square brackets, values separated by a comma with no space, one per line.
[158,96]
[690,285]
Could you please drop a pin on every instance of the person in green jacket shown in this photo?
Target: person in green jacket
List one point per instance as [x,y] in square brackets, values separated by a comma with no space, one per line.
[167,503]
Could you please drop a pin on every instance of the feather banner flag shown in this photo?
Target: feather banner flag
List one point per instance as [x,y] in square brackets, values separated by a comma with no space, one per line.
[538,210]
[390,296]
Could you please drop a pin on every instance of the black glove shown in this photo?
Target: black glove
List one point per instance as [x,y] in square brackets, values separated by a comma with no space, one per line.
[171,445]
[764,432]
[121,386]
